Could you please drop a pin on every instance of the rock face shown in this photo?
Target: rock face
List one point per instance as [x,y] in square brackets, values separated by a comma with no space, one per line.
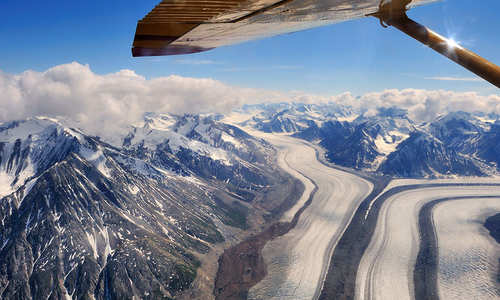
[86,219]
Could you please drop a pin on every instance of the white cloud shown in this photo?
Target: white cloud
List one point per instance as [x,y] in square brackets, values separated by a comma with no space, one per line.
[105,104]
[423,105]
[471,79]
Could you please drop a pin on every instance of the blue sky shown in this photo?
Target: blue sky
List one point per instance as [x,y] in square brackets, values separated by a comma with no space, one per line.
[358,56]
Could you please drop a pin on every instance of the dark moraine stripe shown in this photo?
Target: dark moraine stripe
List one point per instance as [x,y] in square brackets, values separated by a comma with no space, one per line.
[493,226]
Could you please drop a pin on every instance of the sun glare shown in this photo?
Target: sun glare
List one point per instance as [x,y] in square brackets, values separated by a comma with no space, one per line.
[452,43]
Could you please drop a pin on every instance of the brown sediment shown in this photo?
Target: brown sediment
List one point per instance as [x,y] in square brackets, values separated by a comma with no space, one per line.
[242,266]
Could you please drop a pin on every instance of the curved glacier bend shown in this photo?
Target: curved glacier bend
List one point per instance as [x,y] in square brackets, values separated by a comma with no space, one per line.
[386,268]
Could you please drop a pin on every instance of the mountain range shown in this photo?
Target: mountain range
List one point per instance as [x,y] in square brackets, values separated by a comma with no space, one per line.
[86,218]
[389,141]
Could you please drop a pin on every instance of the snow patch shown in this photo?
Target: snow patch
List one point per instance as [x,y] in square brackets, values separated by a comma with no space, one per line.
[7,179]
[5,185]
[349,118]
[133,189]
[388,144]
[229,139]
[107,246]
[237,118]
[4,244]
[162,122]
[93,243]
[97,158]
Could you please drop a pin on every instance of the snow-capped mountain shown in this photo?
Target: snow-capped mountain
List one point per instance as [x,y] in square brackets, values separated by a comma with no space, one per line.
[292,117]
[192,144]
[28,148]
[422,154]
[362,142]
[389,141]
[459,130]
[372,139]
[84,219]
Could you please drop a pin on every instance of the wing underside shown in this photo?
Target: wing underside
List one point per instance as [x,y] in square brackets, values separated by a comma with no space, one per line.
[190,26]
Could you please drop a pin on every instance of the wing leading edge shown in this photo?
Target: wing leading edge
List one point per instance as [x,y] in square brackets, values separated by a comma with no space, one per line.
[190,26]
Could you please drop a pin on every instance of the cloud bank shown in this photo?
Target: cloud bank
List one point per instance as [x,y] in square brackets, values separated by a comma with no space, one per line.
[106,103]
[471,79]
[422,105]
[110,101]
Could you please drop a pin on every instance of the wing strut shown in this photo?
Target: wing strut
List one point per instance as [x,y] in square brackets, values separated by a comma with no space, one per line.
[394,14]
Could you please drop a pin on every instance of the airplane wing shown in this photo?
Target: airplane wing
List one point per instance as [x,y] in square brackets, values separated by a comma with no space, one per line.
[190,26]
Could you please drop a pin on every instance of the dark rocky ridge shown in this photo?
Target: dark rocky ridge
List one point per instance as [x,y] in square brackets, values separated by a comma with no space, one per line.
[493,226]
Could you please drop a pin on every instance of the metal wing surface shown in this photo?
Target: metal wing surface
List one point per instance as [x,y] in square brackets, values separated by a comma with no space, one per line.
[190,26]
